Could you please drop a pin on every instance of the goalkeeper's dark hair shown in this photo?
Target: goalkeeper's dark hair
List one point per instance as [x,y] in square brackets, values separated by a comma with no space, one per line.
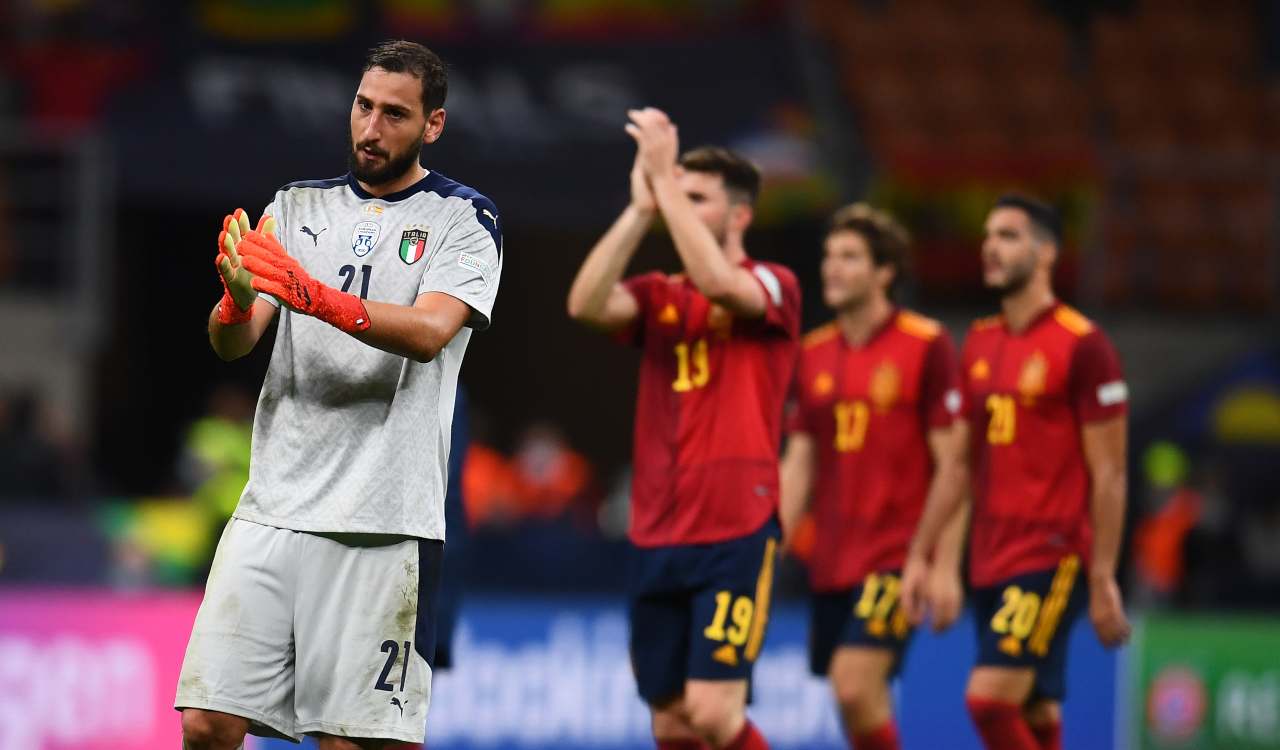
[402,56]
[1046,222]
[741,177]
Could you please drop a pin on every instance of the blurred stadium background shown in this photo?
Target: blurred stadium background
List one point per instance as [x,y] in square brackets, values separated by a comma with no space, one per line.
[128,128]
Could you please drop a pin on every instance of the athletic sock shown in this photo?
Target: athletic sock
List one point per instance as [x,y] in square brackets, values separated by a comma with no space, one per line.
[1001,725]
[748,739]
[884,738]
[1048,735]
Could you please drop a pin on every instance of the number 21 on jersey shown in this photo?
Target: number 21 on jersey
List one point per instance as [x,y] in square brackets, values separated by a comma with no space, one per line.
[348,274]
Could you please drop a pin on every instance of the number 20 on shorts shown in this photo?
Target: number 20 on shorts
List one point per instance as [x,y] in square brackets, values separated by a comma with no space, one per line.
[1016,618]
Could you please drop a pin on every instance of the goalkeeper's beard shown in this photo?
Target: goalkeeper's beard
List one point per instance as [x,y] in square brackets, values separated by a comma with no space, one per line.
[393,168]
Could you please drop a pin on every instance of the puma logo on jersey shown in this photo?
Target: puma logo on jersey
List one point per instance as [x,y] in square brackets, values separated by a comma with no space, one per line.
[396,702]
[315,236]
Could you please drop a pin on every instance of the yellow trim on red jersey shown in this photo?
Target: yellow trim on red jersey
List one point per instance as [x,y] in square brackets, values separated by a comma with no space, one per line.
[988,322]
[820,335]
[918,325]
[1072,320]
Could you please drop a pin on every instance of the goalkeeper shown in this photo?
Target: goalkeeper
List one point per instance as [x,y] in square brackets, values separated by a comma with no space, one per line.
[319,615]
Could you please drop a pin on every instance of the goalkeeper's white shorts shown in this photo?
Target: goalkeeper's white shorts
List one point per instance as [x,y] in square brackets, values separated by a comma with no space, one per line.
[304,633]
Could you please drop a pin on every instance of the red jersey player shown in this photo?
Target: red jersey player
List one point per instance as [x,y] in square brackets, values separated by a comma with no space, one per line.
[1047,404]
[719,344]
[874,429]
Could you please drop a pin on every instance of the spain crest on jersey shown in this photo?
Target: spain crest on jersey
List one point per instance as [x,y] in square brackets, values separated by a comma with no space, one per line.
[1031,381]
[824,384]
[886,383]
[413,244]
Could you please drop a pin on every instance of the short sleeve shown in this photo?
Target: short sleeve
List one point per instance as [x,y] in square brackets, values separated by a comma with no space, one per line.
[644,289]
[795,416]
[275,209]
[467,262]
[941,392]
[969,398]
[782,298]
[1097,387]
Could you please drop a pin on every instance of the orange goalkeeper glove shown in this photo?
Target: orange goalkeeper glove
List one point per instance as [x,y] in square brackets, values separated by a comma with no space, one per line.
[238,295]
[284,278]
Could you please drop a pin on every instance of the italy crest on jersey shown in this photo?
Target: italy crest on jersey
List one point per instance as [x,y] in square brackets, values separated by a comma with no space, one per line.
[365,237]
[413,243]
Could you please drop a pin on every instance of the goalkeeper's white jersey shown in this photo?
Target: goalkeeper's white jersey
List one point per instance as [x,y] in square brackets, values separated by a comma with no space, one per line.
[349,438]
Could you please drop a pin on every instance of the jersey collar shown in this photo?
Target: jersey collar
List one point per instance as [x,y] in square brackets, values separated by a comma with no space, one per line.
[1040,317]
[879,331]
[399,195]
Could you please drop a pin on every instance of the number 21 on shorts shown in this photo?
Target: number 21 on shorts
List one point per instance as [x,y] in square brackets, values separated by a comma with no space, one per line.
[392,650]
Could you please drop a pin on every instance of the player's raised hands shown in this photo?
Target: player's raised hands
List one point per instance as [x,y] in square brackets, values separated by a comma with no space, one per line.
[238,294]
[281,276]
[641,191]
[657,141]
[1106,612]
[276,273]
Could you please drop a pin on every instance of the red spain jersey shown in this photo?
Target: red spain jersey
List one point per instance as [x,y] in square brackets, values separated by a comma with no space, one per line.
[709,408]
[869,410]
[1028,396]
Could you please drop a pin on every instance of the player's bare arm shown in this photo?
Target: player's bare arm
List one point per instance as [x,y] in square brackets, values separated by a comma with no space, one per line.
[1104,451]
[418,332]
[239,319]
[942,524]
[799,466]
[944,589]
[232,342]
[724,283]
[597,297]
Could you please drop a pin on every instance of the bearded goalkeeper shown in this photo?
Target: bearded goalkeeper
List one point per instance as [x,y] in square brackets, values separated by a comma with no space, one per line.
[319,614]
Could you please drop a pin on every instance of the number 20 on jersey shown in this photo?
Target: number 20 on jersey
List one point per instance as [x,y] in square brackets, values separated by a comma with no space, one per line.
[1002,424]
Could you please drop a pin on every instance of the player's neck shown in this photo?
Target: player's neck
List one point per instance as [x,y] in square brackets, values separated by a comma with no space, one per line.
[734,252]
[411,177]
[859,324]
[1023,306]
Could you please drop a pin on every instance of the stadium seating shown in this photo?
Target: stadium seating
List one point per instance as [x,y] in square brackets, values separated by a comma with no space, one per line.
[1162,111]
